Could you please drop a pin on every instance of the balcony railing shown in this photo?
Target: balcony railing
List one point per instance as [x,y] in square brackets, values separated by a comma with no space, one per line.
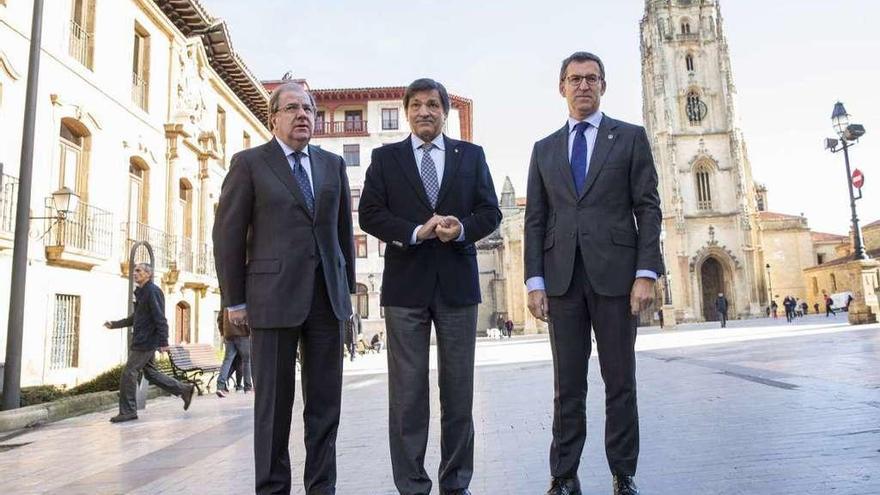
[163,244]
[205,261]
[184,258]
[139,88]
[89,231]
[8,201]
[688,36]
[341,128]
[80,44]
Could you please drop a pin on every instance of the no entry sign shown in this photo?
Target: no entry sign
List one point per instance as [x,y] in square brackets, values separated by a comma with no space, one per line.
[858,179]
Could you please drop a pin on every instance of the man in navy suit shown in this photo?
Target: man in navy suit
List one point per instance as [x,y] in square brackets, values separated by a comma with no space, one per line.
[430,198]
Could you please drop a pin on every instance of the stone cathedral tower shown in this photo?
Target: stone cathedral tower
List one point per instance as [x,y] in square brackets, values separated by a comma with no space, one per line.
[710,218]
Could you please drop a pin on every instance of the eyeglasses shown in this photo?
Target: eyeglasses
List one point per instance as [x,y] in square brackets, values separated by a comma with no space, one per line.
[295,107]
[575,80]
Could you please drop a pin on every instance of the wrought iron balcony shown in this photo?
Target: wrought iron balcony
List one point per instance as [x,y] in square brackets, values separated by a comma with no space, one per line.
[80,44]
[341,128]
[139,90]
[8,201]
[79,240]
[184,259]
[164,245]
[205,261]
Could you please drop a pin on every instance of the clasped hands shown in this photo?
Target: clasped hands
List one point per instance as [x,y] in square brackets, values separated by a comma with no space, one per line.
[446,228]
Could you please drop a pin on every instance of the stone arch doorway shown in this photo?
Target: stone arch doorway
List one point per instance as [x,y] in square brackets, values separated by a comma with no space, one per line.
[712,282]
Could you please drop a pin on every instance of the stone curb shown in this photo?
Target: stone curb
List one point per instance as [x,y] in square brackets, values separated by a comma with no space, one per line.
[68,407]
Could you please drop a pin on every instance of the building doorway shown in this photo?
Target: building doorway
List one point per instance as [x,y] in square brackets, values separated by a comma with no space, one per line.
[712,282]
[182,327]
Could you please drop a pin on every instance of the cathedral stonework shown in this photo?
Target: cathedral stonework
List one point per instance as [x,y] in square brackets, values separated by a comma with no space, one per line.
[710,217]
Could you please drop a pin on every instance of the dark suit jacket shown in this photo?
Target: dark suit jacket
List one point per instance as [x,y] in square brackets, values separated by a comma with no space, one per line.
[393,203]
[268,246]
[615,222]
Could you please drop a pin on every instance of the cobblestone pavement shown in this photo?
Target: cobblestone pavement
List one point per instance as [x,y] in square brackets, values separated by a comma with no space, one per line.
[758,408]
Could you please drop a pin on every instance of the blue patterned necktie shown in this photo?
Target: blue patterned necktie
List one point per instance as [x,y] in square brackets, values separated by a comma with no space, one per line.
[579,157]
[429,174]
[302,178]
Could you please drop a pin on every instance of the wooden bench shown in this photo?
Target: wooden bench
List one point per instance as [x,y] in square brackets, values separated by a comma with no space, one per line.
[192,363]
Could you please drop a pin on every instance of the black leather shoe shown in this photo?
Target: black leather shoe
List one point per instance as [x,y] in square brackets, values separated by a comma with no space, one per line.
[187,396]
[121,418]
[564,486]
[461,491]
[624,485]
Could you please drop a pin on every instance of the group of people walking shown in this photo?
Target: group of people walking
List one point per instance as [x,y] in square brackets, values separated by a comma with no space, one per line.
[284,248]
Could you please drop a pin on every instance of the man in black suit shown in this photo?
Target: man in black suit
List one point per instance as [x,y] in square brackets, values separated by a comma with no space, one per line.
[283,242]
[430,198]
[592,255]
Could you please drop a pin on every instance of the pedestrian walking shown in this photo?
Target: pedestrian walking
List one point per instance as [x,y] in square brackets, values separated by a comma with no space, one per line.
[816,307]
[774,308]
[721,309]
[237,343]
[508,325]
[149,334]
[829,306]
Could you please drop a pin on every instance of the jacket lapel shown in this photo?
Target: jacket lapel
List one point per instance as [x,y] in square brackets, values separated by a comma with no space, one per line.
[319,172]
[605,139]
[279,165]
[450,168]
[560,160]
[407,161]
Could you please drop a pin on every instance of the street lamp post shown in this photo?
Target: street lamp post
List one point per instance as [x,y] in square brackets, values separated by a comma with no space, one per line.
[15,324]
[769,286]
[849,134]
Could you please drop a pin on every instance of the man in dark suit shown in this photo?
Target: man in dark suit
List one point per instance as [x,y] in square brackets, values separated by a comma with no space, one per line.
[283,243]
[430,198]
[592,255]
[721,309]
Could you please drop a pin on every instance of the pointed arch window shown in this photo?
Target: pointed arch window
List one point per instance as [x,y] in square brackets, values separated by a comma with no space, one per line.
[685,26]
[362,301]
[689,62]
[703,178]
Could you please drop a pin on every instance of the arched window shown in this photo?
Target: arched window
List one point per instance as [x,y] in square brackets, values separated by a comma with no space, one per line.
[689,62]
[695,108]
[685,26]
[833,283]
[703,177]
[73,157]
[362,301]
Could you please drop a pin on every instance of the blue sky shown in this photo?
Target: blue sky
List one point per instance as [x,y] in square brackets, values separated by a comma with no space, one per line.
[792,59]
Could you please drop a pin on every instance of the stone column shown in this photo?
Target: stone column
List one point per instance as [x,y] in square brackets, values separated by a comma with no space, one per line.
[864,308]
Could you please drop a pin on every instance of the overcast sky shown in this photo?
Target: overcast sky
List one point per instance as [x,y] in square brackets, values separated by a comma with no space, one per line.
[792,60]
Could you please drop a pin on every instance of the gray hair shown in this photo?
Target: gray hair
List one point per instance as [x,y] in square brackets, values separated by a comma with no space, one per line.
[425,84]
[287,87]
[581,57]
[145,267]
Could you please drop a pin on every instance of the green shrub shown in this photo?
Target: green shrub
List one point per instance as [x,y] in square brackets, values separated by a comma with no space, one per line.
[40,394]
[107,381]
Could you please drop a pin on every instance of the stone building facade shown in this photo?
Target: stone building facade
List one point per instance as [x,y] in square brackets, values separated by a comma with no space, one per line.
[141,104]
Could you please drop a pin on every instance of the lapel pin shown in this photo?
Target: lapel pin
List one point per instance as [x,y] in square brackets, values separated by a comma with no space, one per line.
[456,150]
[611,136]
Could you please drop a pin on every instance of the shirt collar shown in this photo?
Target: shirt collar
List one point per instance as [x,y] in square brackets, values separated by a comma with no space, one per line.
[438,141]
[594,119]
[288,150]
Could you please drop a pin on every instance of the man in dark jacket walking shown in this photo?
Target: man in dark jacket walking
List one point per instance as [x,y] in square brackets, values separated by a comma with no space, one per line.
[237,343]
[150,333]
[721,308]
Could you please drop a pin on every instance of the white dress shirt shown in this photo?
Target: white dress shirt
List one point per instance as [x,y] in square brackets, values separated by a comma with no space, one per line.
[590,133]
[438,155]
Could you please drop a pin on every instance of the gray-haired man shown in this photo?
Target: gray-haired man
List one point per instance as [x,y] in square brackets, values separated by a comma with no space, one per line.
[150,332]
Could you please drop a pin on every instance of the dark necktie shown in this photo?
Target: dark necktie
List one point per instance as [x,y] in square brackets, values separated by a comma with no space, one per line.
[302,178]
[429,174]
[579,157]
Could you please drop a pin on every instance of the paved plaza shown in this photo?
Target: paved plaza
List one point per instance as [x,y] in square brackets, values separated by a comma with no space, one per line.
[762,407]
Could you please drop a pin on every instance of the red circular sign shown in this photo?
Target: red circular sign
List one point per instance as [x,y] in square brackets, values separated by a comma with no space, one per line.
[858,179]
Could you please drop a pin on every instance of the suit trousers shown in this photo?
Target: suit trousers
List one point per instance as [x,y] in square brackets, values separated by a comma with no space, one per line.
[409,340]
[142,362]
[274,366]
[571,316]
